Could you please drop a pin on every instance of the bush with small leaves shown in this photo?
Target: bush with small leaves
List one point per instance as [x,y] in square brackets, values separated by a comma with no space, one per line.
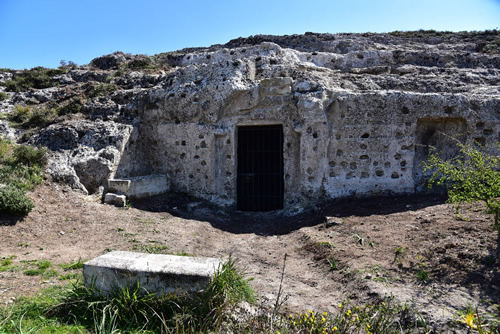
[27,117]
[472,176]
[101,89]
[15,201]
[30,156]
[37,77]
[73,106]
[21,169]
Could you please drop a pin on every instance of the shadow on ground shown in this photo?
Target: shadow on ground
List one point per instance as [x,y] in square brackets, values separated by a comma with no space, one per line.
[9,219]
[278,223]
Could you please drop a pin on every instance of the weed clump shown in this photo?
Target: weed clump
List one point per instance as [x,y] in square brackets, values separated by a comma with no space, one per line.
[383,317]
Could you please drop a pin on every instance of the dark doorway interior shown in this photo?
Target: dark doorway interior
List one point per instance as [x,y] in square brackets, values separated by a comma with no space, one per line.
[442,134]
[260,168]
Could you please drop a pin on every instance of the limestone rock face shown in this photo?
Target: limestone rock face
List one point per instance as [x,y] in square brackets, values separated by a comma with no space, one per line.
[357,113]
[84,154]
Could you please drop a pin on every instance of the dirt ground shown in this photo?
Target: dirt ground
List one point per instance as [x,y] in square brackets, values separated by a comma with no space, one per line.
[361,249]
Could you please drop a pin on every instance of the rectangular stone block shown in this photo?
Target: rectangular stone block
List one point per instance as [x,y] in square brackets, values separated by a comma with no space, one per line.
[114,199]
[276,86]
[119,186]
[158,274]
[140,186]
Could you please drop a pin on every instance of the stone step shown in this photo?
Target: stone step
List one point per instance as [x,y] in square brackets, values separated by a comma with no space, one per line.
[155,273]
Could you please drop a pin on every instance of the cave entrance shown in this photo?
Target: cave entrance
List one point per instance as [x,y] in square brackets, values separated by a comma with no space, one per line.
[441,134]
[260,183]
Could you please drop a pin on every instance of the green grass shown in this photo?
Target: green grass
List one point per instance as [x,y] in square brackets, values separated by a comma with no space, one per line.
[184,253]
[7,264]
[152,249]
[34,272]
[145,220]
[41,269]
[70,276]
[333,262]
[72,265]
[6,260]
[3,96]
[326,244]
[8,268]
[50,274]
[422,275]
[44,264]
[400,251]
[156,249]
[75,308]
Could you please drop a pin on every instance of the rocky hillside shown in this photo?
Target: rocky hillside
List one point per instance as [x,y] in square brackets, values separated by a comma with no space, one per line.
[103,120]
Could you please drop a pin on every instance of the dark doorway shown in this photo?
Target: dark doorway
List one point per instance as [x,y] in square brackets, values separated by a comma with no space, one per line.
[260,168]
[442,134]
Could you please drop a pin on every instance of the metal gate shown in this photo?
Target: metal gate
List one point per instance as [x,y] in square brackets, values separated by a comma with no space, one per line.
[260,168]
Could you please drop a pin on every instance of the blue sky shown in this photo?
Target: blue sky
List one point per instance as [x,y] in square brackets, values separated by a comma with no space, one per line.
[44,32]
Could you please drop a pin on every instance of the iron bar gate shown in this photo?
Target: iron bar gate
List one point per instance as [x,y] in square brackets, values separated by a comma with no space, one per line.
[260,185]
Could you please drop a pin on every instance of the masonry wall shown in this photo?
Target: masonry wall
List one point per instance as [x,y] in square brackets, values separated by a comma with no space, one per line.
[336,143]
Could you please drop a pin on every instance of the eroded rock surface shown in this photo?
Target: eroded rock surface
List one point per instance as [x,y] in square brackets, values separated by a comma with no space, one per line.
[357,112]
[84,154]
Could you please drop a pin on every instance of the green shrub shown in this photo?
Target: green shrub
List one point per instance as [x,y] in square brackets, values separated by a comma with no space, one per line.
[472,176]
[493,46]
[20,114]
[73,106]
[27,117]
[30,156]
[37,77]
[15,201]
[21,177]
[3,96]
[140,63]
[5,147]
[21,169]
[101,89]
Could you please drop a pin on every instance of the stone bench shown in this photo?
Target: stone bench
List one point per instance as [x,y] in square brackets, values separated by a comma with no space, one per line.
[158,274]
[139,186]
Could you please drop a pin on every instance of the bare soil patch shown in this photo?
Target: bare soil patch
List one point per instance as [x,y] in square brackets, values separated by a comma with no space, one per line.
[365,250]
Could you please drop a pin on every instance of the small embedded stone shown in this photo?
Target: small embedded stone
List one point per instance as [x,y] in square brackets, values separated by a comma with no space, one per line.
[115,199]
